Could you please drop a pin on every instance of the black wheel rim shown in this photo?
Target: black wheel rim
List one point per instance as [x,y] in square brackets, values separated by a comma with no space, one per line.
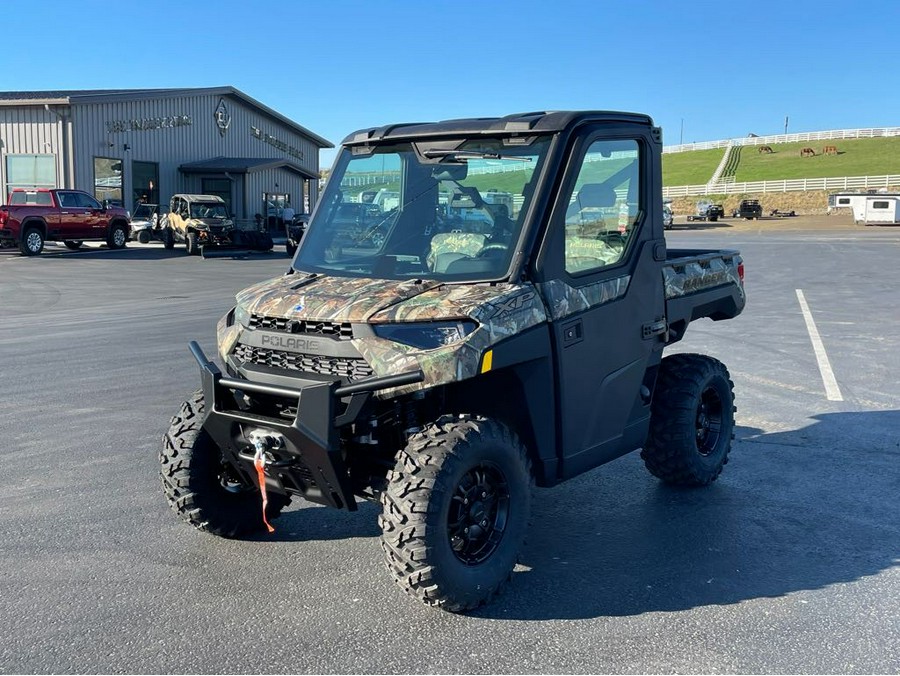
[479,512]
[709,421]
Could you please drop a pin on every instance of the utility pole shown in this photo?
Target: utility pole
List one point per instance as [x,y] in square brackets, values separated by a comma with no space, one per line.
[681,138]
[785,124]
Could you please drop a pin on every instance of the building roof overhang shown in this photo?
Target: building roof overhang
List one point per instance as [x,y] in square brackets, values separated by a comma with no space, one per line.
[242,165]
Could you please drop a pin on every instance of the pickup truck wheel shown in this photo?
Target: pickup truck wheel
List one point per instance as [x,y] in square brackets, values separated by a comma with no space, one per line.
[455,511]
[198,485]
[32,242]
[168,238]
[118,237]
[74,245]
[691,421]
[191,245]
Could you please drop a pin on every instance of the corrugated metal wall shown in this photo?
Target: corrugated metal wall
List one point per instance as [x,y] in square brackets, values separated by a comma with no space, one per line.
[30,130]
[104,129]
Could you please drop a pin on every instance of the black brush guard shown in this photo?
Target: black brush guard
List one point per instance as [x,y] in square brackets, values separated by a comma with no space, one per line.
[310,462]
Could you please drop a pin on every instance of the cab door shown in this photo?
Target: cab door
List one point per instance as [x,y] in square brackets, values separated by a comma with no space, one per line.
[74,218]
[604,292]
[176,218]
[95,215]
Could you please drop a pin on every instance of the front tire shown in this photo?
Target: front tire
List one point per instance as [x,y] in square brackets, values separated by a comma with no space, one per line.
[691,420]
[143,237]
[455,512]
[200,488]
[192,244]
[168,238]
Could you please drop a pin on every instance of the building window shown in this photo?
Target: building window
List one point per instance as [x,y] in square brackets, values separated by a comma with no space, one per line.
[220,187]
[843,200]
[108,179]
[145,183]
[30,171]
[881,205]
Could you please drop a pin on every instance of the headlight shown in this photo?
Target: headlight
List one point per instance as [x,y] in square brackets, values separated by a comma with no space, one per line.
[241,315]
[426,335]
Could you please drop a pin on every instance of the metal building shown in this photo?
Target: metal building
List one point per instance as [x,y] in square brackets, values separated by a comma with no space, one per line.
[136,146]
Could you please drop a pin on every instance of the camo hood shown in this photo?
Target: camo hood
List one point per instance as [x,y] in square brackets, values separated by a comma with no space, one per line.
[333,299]
[500,310]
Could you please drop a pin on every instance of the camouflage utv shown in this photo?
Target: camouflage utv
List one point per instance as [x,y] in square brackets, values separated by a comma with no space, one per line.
[469,353]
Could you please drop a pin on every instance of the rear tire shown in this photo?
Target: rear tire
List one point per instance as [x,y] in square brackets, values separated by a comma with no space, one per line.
[143,237]
[32,242]
[691,421]
[74,245]
[455,512]
[118,237]
[200,488]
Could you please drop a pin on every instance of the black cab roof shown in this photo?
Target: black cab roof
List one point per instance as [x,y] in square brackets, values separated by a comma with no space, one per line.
[517,124]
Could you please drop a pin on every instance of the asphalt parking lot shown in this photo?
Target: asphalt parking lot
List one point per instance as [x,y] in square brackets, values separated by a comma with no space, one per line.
[788,563]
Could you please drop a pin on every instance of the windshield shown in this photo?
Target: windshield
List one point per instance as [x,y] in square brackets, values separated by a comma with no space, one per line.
[144,211]
[449,210]
[207,210]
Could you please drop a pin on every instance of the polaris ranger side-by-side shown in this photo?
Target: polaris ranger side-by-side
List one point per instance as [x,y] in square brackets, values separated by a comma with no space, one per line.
[445,368]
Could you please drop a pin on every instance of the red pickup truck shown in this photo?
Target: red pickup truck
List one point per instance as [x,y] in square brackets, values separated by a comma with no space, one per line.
[34,216]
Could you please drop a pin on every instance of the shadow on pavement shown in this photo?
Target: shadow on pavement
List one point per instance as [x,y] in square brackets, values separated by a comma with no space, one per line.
[139,253]
[699,225]
[793,511]
[99,253]
[313,522]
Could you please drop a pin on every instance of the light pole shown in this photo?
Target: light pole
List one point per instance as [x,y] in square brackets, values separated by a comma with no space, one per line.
[681,138]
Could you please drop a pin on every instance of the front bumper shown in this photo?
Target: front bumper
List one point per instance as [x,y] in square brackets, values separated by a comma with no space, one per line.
[309,461]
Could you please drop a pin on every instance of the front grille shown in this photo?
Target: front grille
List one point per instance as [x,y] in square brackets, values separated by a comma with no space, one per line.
[342,367]
[339,330]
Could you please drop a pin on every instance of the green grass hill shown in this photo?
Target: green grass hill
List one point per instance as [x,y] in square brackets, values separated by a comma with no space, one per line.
[691,168]
[856,157]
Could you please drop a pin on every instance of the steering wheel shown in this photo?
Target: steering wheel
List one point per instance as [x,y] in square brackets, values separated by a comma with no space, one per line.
[612,238]
[487,248]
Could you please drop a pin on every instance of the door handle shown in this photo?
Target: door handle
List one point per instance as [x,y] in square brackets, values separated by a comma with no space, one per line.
[572,333]
[654,328]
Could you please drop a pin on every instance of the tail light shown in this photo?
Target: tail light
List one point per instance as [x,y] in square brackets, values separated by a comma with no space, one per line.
[741,272]
[4,215]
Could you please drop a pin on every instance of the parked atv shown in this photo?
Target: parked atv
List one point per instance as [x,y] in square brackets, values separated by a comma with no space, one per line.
[446,372]
[204,225]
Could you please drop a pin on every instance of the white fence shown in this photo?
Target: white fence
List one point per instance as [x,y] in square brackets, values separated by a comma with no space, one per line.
[871,132]
[790,185]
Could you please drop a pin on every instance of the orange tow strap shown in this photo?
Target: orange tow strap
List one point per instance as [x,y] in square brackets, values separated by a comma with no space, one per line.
[259,461]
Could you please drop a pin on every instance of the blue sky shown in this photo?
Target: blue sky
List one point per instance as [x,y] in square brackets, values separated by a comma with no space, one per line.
[723,68]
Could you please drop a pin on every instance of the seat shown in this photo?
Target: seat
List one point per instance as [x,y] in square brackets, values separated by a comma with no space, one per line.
[592,196]
[448,247]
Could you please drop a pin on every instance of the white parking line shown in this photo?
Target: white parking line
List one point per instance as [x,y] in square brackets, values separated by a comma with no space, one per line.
[832,391]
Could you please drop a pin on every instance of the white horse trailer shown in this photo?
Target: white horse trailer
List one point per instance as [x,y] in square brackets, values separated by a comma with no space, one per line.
[867,207]
[880,209]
